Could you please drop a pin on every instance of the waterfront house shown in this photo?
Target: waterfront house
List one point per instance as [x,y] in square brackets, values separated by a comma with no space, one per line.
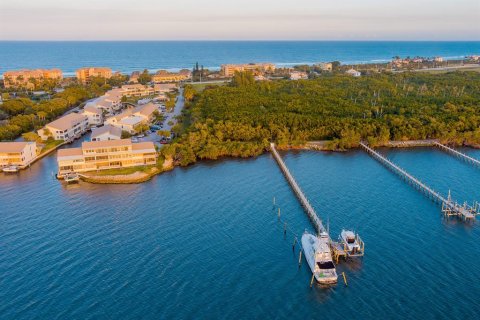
[354,73]
[94,115]
[228,70]
[66,128]
[27,78]
[19,154]
[106,133]
[85,74]
[102,155]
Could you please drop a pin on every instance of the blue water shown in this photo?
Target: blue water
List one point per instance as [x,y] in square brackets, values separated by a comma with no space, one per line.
[204,242]
[127,56]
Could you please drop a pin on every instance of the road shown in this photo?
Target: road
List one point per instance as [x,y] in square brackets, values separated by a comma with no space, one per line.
[169,116]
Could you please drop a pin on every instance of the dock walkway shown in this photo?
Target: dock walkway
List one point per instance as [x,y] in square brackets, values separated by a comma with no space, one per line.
[317,223]
[448,206]
[458,154]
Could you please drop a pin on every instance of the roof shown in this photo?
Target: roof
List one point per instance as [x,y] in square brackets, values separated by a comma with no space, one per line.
[66,122]
[146,110]
[122,115]
[143,146]
[114,131]
[14,147]
[92,109]
[106,144]
[69,152]
[132,120]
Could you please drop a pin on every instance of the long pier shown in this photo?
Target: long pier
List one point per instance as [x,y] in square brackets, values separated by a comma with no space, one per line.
[317,223]
[449,207]
[458,154]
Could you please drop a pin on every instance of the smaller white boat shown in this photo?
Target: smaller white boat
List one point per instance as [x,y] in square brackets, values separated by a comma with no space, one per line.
[10,169]
[319,257]
[352,243]
[71,177]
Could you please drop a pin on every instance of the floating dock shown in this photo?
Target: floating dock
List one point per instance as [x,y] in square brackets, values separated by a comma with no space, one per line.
[449,207]
[458,154]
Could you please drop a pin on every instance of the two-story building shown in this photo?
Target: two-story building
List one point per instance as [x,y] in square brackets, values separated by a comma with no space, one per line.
[106,133]
[66,128]
[19,154]
[130,119]
[102,155]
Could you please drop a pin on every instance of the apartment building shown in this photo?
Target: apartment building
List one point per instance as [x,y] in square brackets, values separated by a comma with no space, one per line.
[66,128]
[84,74]
[228,70]
[107,132]
[94,115]
[26,78]
[111,101]
[137,90]
[163,76]
[130,119]
[103,155]
[19,154]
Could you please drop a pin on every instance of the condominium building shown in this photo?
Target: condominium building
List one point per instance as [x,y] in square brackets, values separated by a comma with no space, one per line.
[107,132]
[27,78]
[164,76]
[94,115]
[130,119]
[160,88]
[66,128]
[85,74]
[228,70]
[19,154]
[111,101]
[137,90]
[102,155]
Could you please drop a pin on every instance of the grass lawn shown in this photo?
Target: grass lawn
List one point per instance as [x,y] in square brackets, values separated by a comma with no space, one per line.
[122,171]
[50,144]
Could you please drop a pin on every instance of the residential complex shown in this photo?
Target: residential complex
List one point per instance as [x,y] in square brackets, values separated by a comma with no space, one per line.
[102,155]
[84,74]
[107,132]
[19,154]
[137,90]
[111,101]
[164,76]
[228,70]
[27,78]
[66,128]
[130,119]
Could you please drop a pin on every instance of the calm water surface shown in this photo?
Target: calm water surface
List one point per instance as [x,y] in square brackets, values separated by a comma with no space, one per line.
[127,56]
[204,242]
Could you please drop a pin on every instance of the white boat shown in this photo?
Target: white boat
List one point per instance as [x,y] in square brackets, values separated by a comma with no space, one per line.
[10,169]
[71,177]
[352,243]
[319,257]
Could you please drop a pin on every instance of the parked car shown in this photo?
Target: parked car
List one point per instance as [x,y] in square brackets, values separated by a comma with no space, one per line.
[141,135]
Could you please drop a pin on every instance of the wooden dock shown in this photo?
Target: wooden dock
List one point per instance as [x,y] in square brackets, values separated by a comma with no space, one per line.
[458,154]
[448,205]
[317,223]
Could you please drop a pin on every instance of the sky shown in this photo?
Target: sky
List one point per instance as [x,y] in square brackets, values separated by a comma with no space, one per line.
[240,20]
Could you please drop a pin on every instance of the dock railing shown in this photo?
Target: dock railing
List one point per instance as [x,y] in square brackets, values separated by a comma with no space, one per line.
[457,153]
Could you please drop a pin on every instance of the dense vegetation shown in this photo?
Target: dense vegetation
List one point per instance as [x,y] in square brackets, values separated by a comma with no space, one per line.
[240,119]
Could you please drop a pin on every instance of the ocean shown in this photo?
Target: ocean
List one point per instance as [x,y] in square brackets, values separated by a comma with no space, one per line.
[204,242]
[128,56]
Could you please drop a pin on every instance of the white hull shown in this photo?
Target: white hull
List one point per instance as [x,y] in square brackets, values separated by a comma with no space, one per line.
[319,258]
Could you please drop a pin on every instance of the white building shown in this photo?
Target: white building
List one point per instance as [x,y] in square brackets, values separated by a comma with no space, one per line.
[111,101]
[131,118]
[106,133]
[66,128]
[353,73]
[94,115]
[298,75]
[19,154]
